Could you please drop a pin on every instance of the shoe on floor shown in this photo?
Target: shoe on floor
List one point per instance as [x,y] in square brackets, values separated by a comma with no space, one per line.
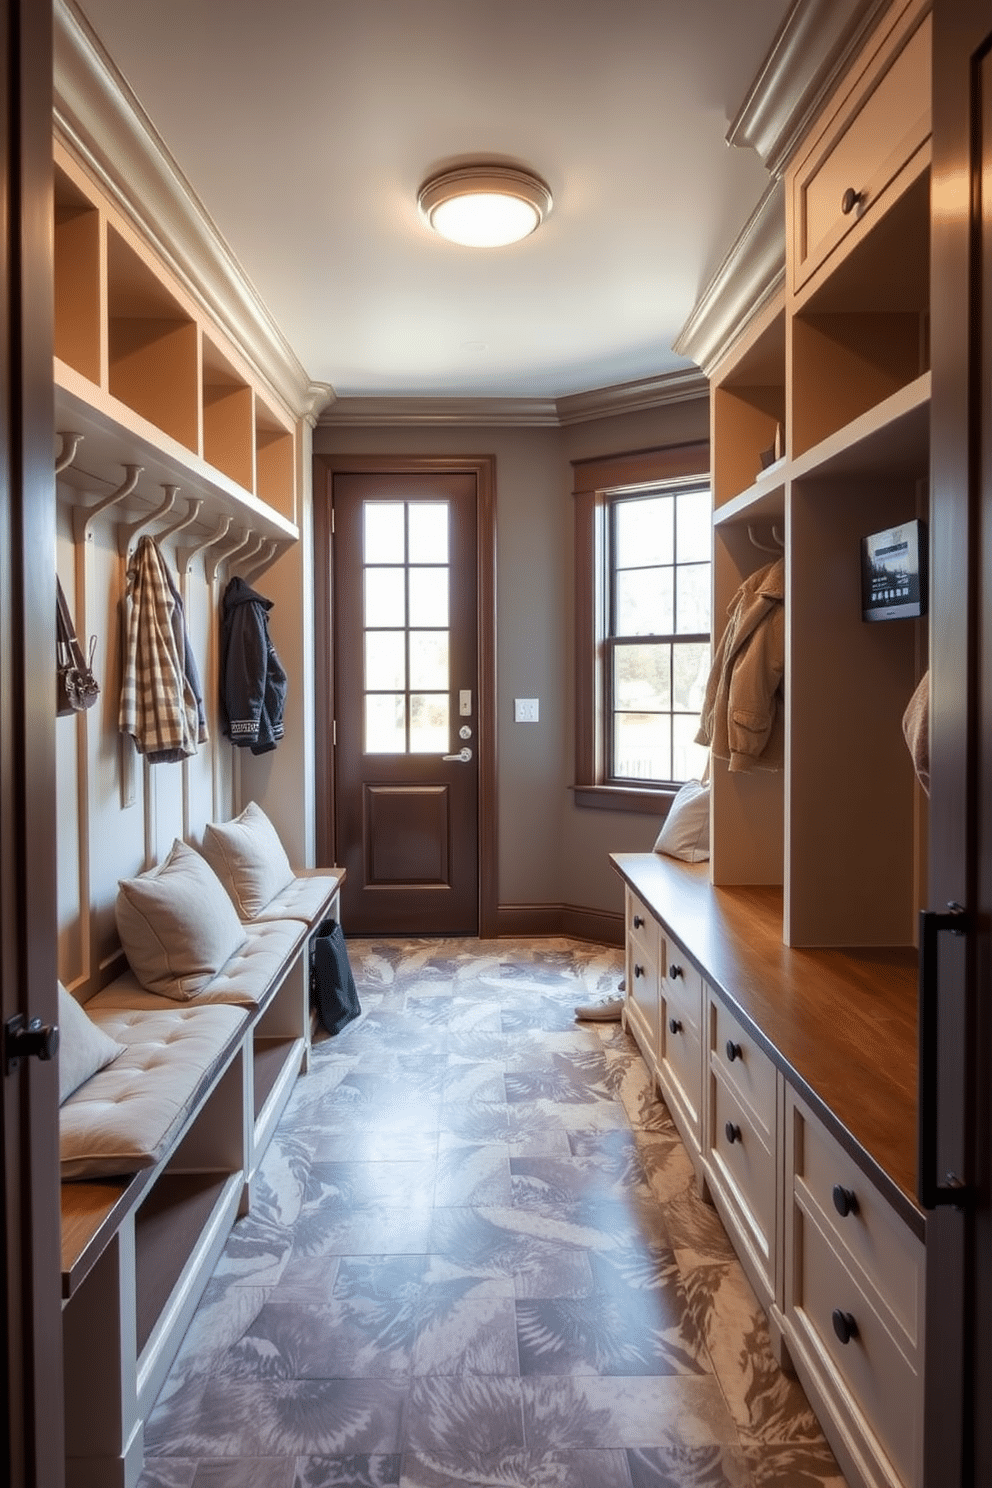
[607,1011]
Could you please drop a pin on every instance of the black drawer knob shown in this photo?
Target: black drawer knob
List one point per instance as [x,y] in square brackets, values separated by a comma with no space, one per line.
[845,1200]
[850,200]
[638,922]
[674,1026]
[844,1325]
[675,972]
[734,1051]
[733,1133]
[638,971]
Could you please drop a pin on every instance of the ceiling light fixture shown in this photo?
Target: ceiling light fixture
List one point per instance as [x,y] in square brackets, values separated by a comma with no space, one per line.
[484,206]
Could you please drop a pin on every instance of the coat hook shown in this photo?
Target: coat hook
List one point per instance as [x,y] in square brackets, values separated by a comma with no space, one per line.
[253,570]
[183,522]
[216,537]
[67,453]
[128,534]
[776,547]
[213,564]
[249,554]
[88,515]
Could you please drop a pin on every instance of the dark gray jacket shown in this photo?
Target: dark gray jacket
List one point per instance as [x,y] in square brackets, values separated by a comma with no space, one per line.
[252,679]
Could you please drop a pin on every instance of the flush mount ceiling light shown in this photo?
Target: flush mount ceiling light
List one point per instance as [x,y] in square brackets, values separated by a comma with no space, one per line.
[484,206]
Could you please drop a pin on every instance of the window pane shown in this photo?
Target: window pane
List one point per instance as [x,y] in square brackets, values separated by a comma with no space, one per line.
[385,660]
[690,670]
[642,678]
[429,733]
[385,732]
[429,659]
[384,542]
[690,758]
[385,600]
[692,599]
[694,524]
[429,596]
[644,531]
[644,602]
[428,532]
[642,746]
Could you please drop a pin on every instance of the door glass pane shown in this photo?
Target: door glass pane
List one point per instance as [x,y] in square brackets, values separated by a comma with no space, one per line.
[385,730]
[690,670]
[642,746]
[644,602]
[690,757]
[642,678]
[644,531]
[429,732]
[429,596]
[385,660]
[385,599]
[429,659]
[694,523]
[384,537]
[692,600]
[428,532]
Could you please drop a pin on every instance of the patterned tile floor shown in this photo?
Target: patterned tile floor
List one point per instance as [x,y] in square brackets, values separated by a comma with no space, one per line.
[479,1258]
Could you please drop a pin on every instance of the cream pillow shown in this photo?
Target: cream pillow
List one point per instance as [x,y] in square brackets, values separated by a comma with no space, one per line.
[83,1048]
[685,832]
[249,859]
[177,925]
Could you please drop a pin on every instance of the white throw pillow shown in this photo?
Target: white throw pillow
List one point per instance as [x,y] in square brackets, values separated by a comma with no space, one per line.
[83,1048]
[249,859]
[177,925]
[685,832]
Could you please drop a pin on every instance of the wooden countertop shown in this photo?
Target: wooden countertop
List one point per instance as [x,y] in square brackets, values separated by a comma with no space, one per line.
[841,1024]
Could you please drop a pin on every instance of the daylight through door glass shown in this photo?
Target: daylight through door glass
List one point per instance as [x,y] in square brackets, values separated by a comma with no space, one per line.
[406,572]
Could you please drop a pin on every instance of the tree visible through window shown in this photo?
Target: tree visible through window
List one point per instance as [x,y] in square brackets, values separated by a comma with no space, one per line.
[658,636]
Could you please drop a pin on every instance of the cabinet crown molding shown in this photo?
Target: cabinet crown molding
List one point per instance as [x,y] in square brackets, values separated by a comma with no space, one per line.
[101,122]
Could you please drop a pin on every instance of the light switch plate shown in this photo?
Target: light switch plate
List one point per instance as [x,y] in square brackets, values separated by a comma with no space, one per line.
[525,710]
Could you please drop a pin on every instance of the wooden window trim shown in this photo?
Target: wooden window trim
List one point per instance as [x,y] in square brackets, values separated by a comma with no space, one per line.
[592,480]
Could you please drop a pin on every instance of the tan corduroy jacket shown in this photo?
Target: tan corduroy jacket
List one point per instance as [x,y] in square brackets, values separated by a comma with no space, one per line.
[742,717]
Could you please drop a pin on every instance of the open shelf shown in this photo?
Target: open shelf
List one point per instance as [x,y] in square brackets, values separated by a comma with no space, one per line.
[749,411]
[169,1226]
[274,461]
[78,290]
[270,1060]
[227,418]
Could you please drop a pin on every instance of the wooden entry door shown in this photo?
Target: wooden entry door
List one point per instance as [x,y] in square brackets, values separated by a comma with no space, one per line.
[407,701]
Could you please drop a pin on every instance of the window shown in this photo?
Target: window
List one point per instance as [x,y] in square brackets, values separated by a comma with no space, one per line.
[643,597]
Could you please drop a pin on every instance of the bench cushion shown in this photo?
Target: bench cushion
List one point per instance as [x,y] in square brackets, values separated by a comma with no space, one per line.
[126,1116]
[177,924]
[248,858]
[301,899]
[243,980]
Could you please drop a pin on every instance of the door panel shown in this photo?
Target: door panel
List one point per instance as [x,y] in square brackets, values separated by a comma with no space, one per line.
[406,686]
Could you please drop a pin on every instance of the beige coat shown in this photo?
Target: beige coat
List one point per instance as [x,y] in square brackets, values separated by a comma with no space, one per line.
[742,718]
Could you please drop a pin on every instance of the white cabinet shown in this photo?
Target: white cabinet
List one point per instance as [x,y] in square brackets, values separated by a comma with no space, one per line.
[680,1063]
[643,978]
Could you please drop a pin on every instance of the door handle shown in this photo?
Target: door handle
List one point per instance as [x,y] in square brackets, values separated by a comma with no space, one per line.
[463,756]
[929,1189]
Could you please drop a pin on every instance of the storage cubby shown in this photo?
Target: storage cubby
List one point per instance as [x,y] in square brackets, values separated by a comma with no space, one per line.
[78,282]
[227,418]
[749,411]
[863,334]
[152,346]
[275,463]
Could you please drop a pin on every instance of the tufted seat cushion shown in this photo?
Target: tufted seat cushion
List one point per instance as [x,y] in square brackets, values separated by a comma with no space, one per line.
[300,899]
[125,1116]
[243,980]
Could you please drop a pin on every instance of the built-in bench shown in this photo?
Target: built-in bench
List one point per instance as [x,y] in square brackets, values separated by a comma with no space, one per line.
[160,1151]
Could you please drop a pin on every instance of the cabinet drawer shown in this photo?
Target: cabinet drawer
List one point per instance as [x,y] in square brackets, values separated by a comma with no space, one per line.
[884,1381]
[682,987]
[861,1225]
[643,976]
[745,1067]
[743,1158]
[874,133]
[681,1064]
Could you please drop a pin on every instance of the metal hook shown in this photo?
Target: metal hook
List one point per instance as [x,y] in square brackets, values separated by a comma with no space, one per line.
[186,521]
[88,515]
[762,547]
[252,572]
[214,563]
[67,453]
[250,553]
[127,534]
[217,537]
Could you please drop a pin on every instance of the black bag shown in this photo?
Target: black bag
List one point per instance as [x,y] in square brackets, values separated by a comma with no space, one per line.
[332,986]
[75,685]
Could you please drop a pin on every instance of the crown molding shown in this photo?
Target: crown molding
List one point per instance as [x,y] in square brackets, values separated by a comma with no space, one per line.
[547,413]
[100,120]
[814,45]
[751,275]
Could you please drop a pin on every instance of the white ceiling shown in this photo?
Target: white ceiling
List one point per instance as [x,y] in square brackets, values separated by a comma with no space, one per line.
[307,126]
